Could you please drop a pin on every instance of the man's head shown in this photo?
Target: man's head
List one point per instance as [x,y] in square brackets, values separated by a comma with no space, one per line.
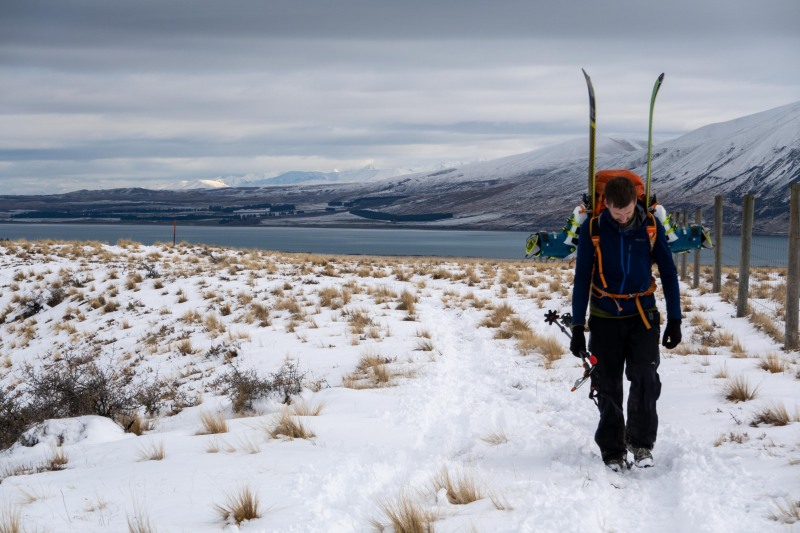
[620,196]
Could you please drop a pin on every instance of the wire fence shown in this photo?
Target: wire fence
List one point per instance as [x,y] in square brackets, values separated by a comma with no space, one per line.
[759,284]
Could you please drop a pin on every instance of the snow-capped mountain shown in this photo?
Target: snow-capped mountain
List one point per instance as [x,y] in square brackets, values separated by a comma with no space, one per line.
[294,177]
[758,154]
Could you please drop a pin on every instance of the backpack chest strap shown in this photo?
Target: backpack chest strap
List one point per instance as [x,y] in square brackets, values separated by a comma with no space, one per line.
[602,293]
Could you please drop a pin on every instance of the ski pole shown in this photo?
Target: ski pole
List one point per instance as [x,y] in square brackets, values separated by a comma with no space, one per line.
[588,360]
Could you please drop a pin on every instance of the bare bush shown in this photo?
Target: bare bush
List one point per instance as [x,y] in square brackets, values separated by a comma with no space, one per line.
[243,387]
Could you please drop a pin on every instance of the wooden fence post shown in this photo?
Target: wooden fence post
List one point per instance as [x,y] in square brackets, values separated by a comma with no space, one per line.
[698,218]
[684,222]
[793,273]
[748,210]
[717,284]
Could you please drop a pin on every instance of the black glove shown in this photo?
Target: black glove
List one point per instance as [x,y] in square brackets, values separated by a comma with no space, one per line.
[672,334]
[578,343]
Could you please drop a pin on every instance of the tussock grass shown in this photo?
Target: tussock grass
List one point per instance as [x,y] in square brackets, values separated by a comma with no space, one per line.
[406,515]
[302,408]
[57,460]
[359,320]
[768,325]
[497,316]
[185,347]
[152,451]
[424,345]
[240,506]
[408,302]
[374,371]
[10,521]
[213,423]
[786,512]
[461,488]
[774,414]
[139,522]
[548,346]
[773,363]
[287,425]
[495,437]
[737,389]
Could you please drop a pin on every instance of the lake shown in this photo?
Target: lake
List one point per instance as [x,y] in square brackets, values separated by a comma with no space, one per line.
[766,250]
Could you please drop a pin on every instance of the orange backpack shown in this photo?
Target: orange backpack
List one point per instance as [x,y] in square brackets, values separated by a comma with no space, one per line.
[602,177]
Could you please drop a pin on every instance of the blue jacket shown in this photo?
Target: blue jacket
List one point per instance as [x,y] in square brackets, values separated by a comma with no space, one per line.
[627,266]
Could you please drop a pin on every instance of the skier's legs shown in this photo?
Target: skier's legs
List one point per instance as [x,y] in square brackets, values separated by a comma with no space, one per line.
[604,342]
[645,389]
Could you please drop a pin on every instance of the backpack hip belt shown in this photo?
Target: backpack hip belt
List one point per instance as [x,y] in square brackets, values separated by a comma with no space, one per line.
[602,293]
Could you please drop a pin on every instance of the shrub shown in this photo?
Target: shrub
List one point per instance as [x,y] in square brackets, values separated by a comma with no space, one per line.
[245,387]
[76,385]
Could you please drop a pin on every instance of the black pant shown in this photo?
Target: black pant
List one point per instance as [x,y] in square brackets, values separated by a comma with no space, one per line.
[625,344]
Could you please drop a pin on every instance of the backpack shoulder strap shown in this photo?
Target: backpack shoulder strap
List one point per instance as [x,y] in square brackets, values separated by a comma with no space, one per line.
[652,230]
[594,231]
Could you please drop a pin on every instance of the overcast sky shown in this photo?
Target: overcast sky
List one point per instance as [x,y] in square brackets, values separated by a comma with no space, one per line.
[104,93]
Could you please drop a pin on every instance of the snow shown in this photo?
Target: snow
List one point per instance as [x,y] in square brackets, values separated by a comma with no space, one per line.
[462,401]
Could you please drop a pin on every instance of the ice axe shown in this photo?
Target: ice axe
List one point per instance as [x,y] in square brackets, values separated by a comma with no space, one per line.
[589,361]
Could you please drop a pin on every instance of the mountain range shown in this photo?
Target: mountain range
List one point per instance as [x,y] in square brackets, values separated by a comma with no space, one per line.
[757,154]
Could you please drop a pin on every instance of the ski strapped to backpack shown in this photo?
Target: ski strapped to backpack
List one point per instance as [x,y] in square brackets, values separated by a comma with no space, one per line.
[564,244]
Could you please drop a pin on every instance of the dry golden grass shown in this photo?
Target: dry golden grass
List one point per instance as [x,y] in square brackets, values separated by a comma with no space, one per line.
[213,324]
[213,423]
[303,408]
[374,371]
[152,451]
[259,313]
[495,437]
[768,325]
[241,506]
[57,460]
[548,346]
[10,520]
[424,345]
[185,347]
[773,363]
[787,512]
[737,389]
[331,297]
[774,414]
[408,303]
[359,320]
[137,425]
[139,523]
[287,425]
[406,515]
[498,315]
[461,488]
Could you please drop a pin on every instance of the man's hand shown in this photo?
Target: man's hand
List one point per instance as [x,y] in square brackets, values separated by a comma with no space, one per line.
[578,343]
[672,334]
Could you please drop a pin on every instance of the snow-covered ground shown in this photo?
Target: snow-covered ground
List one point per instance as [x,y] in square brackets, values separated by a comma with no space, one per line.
[465,384]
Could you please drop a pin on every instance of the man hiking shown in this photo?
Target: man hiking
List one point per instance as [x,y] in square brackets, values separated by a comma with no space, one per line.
[616,250]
